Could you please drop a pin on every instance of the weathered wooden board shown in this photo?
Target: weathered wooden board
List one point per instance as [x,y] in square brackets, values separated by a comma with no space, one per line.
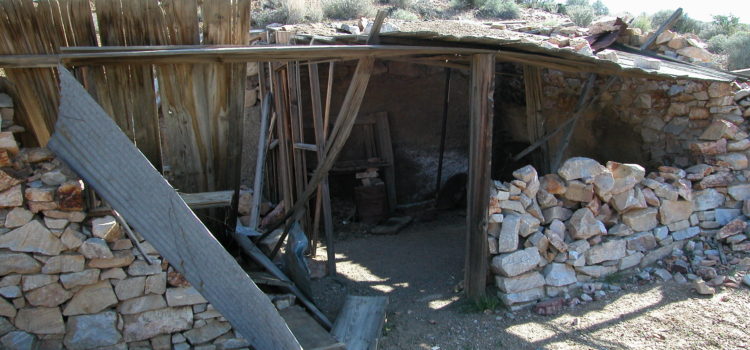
[23,30]
[532,79]
[309,333]
[92,145]
[208,199]
[480,158]
[360,322]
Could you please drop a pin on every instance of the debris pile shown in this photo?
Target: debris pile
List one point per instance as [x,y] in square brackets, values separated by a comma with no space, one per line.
[71,278]
[685,47]
[551,235]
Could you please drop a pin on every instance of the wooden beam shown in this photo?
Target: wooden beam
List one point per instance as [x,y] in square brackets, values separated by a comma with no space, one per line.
[260,160]
[226,55]
[208,199]
[254,252]
[95,148]
[374,37]
[562,126]
[664,26]
[577,113]
[481,100]
[323,203]
[532,78]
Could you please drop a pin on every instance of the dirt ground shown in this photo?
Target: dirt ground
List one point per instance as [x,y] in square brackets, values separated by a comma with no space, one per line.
[419,268]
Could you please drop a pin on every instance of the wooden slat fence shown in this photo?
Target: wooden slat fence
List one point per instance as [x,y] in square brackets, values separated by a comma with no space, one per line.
[185,118]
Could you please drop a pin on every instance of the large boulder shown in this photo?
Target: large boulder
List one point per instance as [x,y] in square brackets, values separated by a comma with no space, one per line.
[92,331]
[583,224]
[559,275]
[641,219]
[580,168]
[626,175]
[519,283]
[610,250]
[674,211]
[516,263]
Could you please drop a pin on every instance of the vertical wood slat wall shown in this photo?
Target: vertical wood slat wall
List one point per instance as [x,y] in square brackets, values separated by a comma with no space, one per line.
[185,118]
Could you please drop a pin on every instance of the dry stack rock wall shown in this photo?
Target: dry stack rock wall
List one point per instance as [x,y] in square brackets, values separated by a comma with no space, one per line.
[72,280]
[656,122]
[550,234]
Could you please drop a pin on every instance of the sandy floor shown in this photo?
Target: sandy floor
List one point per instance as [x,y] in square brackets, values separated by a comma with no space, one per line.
[419,268]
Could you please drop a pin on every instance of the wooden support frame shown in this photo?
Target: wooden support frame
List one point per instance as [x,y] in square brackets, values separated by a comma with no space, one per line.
[340,133]
[481,99]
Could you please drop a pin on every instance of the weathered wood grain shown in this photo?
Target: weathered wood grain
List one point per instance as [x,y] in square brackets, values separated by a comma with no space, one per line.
[309,333]
[92,145]
[360,322]
[480,158]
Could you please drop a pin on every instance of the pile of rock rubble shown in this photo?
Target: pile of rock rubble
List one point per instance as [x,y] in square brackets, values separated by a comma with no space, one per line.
[553,235]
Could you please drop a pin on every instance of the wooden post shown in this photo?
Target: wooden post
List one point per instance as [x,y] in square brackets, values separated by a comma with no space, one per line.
[532,78]
[480,157]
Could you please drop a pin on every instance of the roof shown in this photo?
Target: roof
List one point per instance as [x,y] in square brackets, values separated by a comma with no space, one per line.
[513,45]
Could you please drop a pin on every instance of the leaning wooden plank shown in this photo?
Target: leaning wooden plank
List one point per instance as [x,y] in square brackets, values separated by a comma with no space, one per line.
[664,26]
[309,333]
[92,145]
[374,36]
[480,156]
[204,200]
[360,322]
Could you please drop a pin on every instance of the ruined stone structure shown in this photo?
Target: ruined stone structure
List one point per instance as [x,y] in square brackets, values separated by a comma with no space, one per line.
[548,234]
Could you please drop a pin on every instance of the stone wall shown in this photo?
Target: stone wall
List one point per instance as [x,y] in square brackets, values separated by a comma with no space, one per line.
[73,280]
[651,122]
[549,235]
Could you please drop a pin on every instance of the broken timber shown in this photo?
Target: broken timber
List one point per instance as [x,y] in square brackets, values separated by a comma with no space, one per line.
[92,145]
[480,151]
[360,322]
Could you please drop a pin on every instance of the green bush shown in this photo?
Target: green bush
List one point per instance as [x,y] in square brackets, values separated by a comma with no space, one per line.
[718,44]
[642,22]
[546,5]
[404,15]
[582,16]
[401,4]
[569,3]
[287,12]
[503,9]
[426,10]
[683,25]
[738,51]
[347,9]
[599,8]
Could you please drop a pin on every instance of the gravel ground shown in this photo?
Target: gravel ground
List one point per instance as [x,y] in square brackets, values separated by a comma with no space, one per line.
[419,268]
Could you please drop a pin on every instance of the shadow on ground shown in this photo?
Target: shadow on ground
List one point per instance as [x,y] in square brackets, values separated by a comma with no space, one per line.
[419,268]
